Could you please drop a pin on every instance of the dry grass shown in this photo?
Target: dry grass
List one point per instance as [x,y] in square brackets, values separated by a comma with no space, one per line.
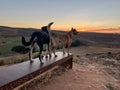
[110,86]
[16,59]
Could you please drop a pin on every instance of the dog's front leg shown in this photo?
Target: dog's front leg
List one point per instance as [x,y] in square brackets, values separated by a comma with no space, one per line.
[63,47]
[49,49]
[54,50]
[68,49]
[69,44]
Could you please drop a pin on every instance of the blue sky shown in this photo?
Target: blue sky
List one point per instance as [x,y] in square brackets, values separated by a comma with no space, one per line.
[82,14]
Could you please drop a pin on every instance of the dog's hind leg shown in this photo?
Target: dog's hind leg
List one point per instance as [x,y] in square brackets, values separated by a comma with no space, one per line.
[30,54]
[63,49]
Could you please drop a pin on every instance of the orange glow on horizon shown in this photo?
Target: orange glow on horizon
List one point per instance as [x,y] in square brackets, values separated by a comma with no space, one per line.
[106,30]
[68,28]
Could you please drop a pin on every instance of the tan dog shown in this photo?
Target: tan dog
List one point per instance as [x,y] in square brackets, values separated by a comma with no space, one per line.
[64,39]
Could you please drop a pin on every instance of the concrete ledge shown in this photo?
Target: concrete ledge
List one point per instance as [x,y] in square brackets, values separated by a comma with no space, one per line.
[18,74]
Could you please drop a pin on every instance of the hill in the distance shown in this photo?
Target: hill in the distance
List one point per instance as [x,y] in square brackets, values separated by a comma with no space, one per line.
[86,37]
[10,31]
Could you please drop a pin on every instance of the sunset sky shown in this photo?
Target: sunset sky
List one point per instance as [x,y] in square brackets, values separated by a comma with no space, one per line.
[84,15]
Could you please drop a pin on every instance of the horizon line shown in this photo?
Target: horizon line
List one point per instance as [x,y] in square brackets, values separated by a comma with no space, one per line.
[92,30]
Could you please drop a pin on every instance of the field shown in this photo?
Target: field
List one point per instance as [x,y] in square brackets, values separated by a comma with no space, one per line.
[7,43]
[93,69]
[96,61]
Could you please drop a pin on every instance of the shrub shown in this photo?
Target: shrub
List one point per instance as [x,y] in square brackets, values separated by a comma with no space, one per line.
[76,43]
[20,49]
[110,86]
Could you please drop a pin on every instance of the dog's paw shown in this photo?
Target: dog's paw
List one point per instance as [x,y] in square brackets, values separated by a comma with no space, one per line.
[42,63]
[46,56]
[31,61]
[56,56]
[63,52]
[42,56]
[50,55]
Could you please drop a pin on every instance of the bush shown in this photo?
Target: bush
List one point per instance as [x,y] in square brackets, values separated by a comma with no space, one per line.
[20,49]
[76,43]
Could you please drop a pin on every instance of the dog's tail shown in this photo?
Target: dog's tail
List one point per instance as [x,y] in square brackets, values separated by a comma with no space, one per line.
[49,25]
[30,42]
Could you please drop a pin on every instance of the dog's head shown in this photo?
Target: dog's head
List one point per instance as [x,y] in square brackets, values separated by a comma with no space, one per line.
[74,31]
[47,28]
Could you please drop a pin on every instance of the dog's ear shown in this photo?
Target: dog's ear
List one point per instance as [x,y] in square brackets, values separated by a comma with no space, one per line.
[74,31]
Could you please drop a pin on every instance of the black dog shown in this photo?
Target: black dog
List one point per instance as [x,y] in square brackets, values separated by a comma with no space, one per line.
[41,37]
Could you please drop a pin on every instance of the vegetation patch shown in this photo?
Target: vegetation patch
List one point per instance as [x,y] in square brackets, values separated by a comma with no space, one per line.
[8,43]
[110,86]
[20,49]
[16,59]
[76,43]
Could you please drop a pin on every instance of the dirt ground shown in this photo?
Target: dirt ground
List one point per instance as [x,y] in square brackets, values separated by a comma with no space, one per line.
[89,72]
[93,69]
